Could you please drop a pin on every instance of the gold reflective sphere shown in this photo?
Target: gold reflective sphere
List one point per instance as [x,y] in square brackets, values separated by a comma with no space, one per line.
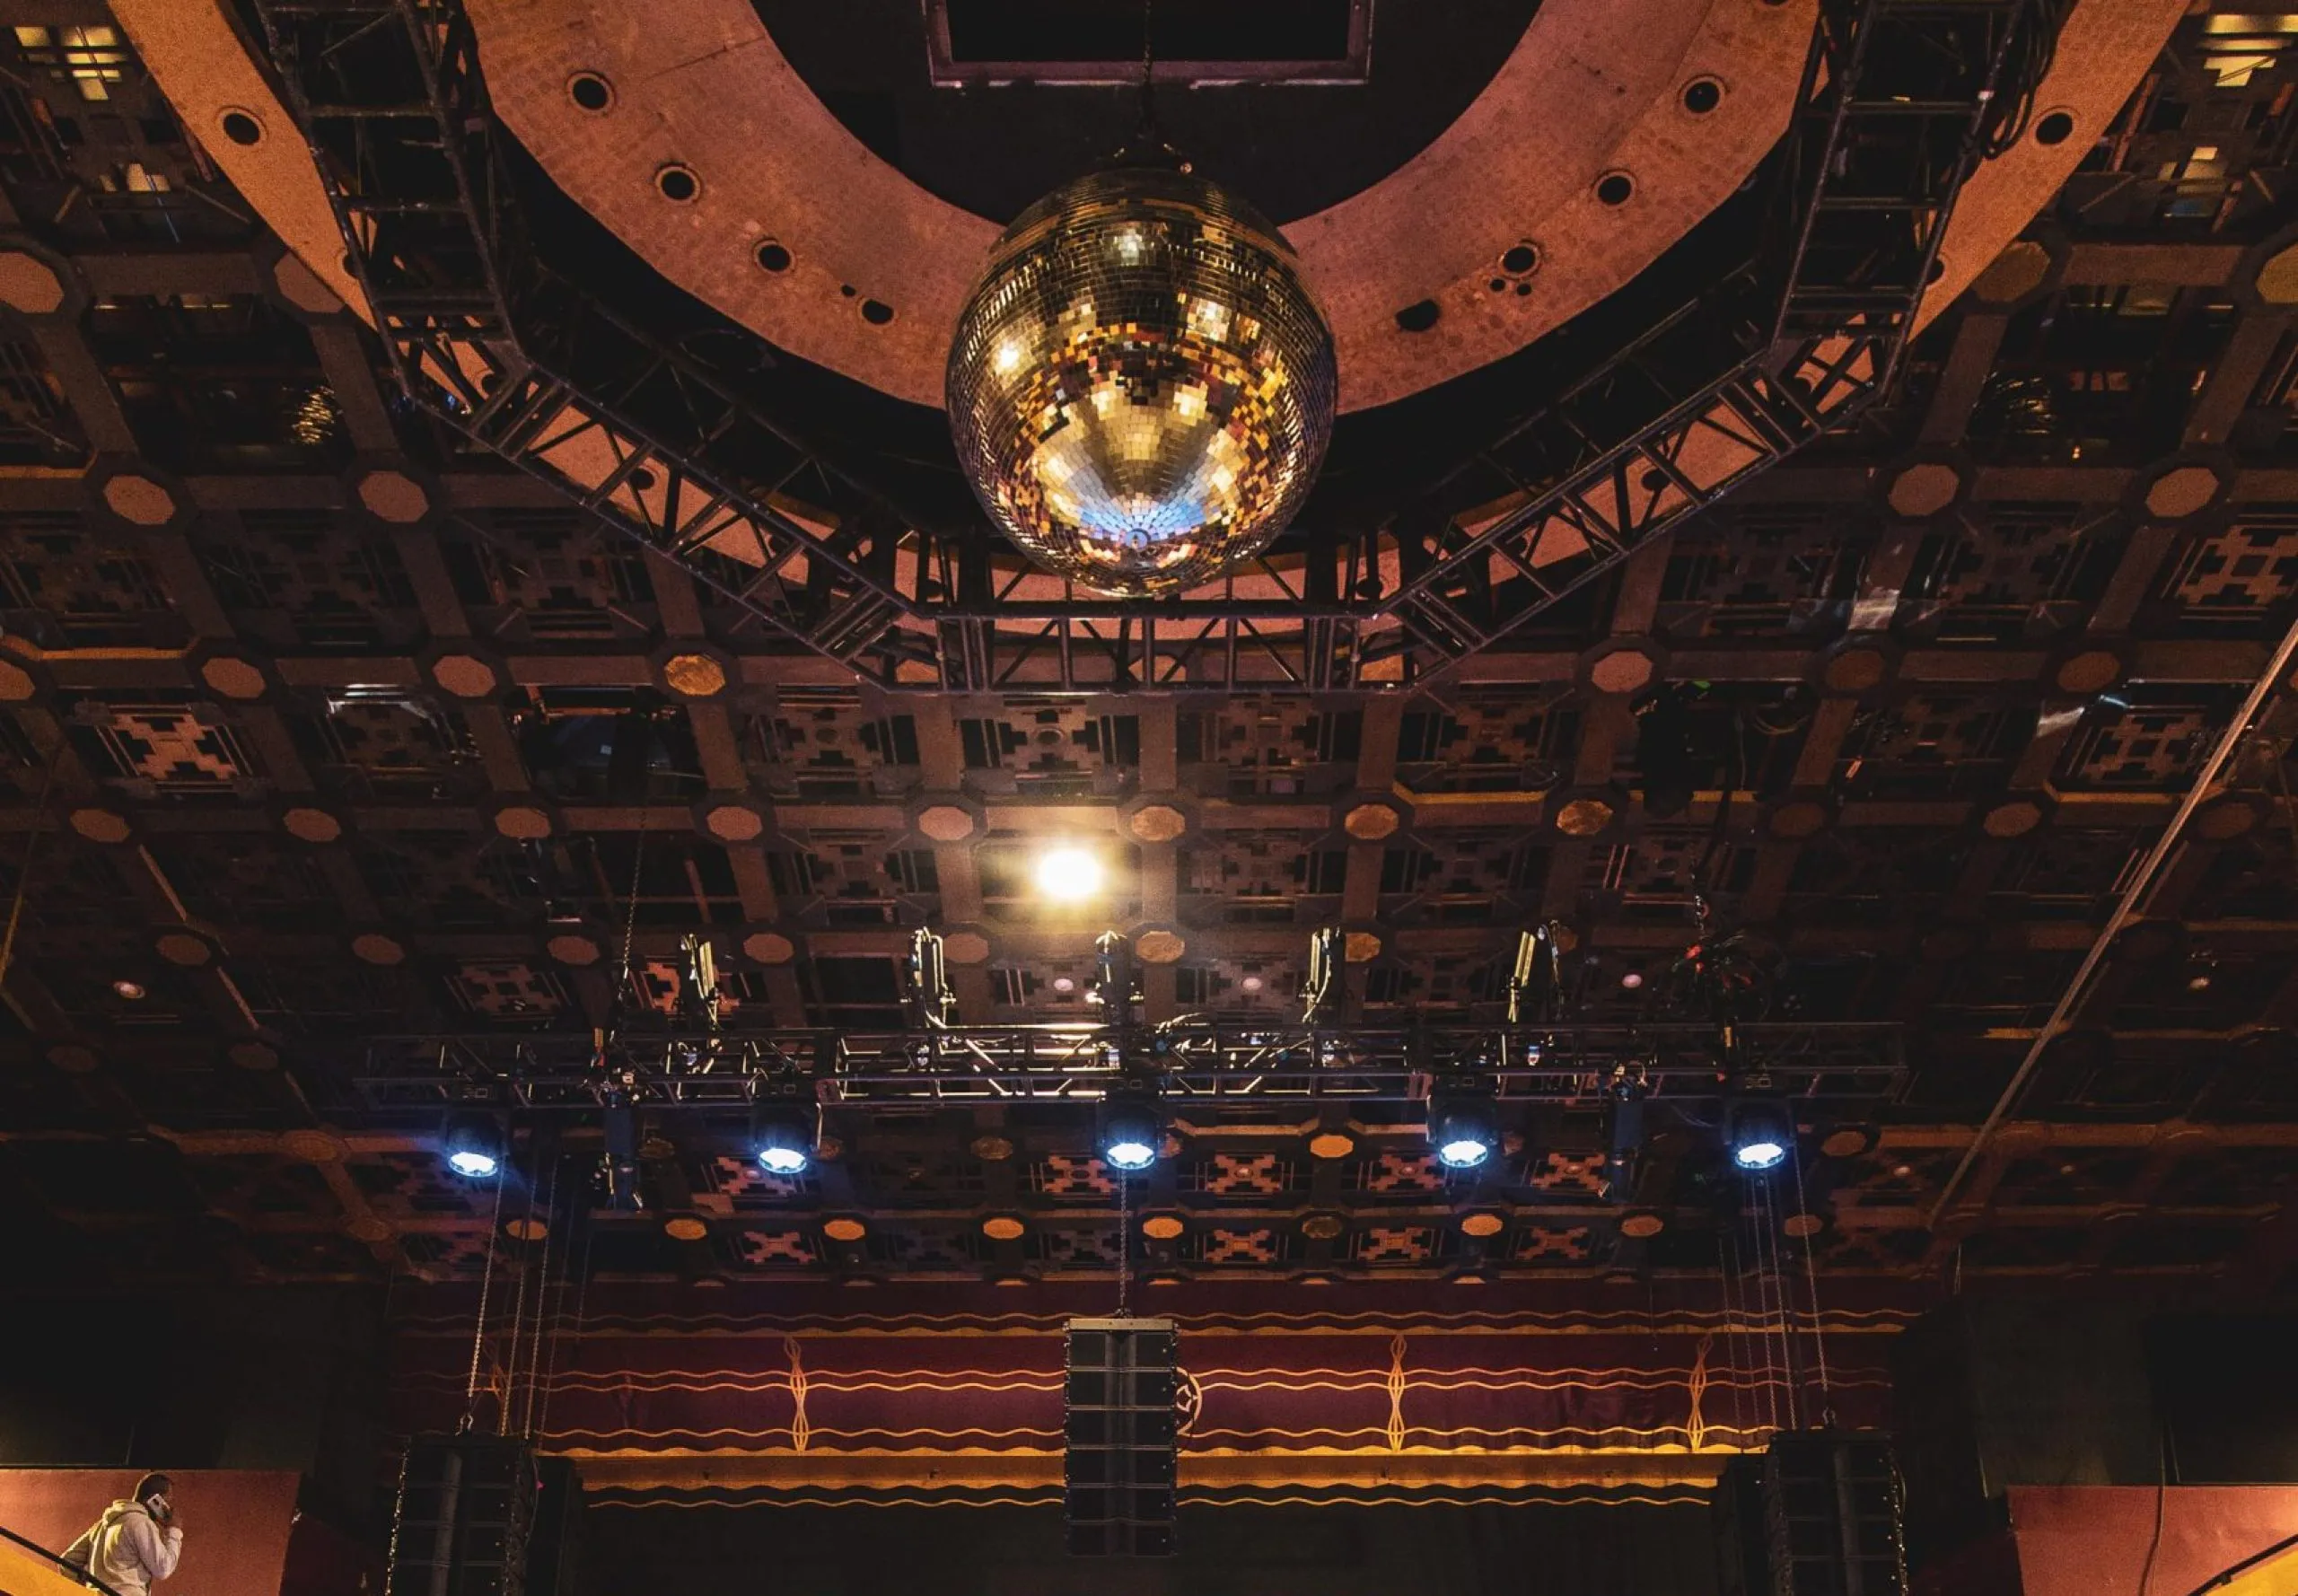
[1141,389]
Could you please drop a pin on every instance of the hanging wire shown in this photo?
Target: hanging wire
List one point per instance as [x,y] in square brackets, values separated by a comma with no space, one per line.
[518,1310]
[543,1292]
[1774,1276]
[1759,1231]
[1124,1246]
[1729,1345]
[630,913]
[1791,1352]
[1812,1282]
[582,1310]
[1760,1314]
[486,1290]
[24,871]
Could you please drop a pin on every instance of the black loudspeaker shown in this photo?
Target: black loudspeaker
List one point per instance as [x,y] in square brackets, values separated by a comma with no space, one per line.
[466,1508]
[554,1550]
[1117,1500]
[2017,1388]
[1819,1513]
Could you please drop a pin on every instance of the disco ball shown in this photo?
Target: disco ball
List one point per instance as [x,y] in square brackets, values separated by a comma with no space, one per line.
[1141,389]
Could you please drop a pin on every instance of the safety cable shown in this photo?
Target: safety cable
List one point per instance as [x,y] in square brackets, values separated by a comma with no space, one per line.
[24,871]
[1123,1245]
[1812,1278]
[518,1308]
[486,1290]
[543,1289]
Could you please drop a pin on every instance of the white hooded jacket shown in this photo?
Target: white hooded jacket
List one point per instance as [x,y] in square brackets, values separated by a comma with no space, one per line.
[126,1550]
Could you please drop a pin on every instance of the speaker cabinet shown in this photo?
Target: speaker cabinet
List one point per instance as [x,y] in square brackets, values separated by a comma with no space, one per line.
[466,1508]
[1121,1428]
[1820,1513]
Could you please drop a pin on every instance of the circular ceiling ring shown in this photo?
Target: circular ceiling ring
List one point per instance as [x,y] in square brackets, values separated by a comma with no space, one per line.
[200,61]
[703,82]
[199,58]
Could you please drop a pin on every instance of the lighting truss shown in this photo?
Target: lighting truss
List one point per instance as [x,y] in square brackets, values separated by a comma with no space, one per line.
[1841,1066]
[1901,100]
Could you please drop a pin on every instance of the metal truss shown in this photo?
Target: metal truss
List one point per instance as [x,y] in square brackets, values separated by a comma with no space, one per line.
[530,367]
[1902,99]
[1838,1066]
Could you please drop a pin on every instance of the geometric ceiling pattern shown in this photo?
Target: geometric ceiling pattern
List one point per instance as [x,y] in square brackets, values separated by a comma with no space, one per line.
[314,730]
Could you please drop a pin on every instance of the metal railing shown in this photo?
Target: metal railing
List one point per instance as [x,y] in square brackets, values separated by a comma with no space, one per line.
[70,1571]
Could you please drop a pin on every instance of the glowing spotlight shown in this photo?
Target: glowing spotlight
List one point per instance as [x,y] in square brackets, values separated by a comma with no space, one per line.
[782,1137]
[1131,1134]
[1068,874]
[132,991]
[1759,1135]
[1632,979]
[1762,1154]
[473,1144]
[1464,1130]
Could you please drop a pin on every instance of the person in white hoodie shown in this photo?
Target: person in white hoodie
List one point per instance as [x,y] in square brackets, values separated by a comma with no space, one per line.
[136,1543]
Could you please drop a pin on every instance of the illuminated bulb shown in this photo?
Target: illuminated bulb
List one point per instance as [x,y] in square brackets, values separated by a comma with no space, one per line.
[1063,984]
[133,991]
[1464,1154]
[1759,1155]
[1250,983]
[1759,1134]
[1130,1135]
[1632,979]
[473,1144]
[1068,875]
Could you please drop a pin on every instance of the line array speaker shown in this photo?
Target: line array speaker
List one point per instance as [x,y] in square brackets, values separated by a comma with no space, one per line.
[1819,1513]
[466,1507]
[1122,1431]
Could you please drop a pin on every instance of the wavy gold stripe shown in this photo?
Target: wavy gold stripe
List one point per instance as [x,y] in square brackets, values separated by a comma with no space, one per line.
[763,1382]
[759,1379]
[814,1433]
[1396,1438]
[1369,1322]
[828,1499]
[1297,1470]
[1528,1498]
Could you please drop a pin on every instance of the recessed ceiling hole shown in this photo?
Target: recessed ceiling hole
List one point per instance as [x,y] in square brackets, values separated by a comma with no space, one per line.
[1654,481]
[1519,260]
[876,311]
[847,289]
[1419,317]
[589,91]
[1938,270]
[241,128]
[773,256]
[642,479]
[1702,95]
[1498,284]
[1614,187]
[678,184]
[1523,291]
[2055,129]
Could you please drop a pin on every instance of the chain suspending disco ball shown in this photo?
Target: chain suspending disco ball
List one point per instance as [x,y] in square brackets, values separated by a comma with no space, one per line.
[1141,389]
